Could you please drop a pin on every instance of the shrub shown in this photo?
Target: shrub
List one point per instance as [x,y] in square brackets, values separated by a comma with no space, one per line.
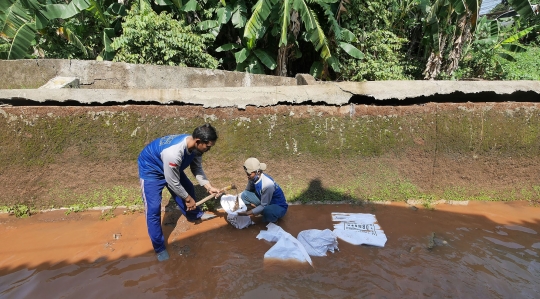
[149,38]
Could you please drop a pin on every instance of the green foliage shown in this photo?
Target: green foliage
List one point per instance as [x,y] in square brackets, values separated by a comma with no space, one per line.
[19,210]
[525,67]
[113,197]
[149,38]
[64,39]
[27,24]
[396,16]
[496,53]
[383,58]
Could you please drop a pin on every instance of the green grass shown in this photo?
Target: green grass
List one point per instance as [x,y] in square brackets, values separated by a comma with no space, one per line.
[114,197]
[526,66]
[380,186]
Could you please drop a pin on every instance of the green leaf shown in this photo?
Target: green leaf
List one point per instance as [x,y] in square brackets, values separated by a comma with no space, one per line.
[224,14]
[316,69]
[514,48]
[261,11]
[265,58]
[333,62]
[17,28]
[191,5]
[284,22]
[507,56]
[208,24]
[254,66]
[239,16]
[21,42]
[70,35]
[108,51]
[348,36]
[228,47]
[458,6]
[242,55]
[163,2]
[523,7]
[351,50]
[117,9]
[308,17]
[516,37]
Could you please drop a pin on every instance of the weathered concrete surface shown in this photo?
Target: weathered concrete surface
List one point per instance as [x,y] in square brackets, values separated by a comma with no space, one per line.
[19,74]
[61,82]
[330,93]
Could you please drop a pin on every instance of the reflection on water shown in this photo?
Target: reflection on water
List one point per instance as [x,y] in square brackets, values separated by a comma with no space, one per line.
[473,257]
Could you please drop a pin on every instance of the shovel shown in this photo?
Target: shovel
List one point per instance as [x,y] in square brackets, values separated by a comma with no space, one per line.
[200,202]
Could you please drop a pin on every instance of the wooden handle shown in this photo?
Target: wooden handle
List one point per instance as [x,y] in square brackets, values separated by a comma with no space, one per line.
[200,202]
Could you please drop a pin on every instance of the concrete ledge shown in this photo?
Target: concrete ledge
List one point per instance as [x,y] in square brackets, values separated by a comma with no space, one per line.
[32,73]
[330,93]
[61,82]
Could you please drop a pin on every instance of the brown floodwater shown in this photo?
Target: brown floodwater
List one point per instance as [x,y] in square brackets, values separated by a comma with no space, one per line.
[483,250]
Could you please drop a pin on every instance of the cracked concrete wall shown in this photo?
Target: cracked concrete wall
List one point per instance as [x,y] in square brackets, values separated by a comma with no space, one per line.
[28,74]
[112,83]
[337,94]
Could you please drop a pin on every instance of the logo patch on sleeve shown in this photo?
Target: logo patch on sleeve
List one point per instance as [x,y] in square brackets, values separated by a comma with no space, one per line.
[171,164]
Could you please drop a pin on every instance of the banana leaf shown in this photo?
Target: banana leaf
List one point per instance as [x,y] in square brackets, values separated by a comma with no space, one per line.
[316,69]
[239,17]
[242,55]
[351,50]
[523,8]
[265,58]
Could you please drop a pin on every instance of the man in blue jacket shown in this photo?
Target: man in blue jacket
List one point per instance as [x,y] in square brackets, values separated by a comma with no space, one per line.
[262,193]
[161,164]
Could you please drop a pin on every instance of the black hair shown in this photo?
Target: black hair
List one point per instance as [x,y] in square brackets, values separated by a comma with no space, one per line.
[205,133]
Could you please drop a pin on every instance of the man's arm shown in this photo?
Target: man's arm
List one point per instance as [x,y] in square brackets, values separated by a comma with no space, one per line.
[267,191]
[171,171]
[197,170]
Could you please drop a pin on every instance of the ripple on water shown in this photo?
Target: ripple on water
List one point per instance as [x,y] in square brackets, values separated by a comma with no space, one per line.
[505,244]
[521,228]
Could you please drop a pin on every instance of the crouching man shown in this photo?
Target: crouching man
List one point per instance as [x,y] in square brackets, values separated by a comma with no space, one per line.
[262,193]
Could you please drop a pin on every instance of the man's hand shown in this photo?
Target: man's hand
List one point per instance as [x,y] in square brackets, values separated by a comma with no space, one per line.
[214,191]
[190,203]
[248,213]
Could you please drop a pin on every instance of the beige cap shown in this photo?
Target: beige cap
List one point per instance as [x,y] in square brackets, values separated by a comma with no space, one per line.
[252,164]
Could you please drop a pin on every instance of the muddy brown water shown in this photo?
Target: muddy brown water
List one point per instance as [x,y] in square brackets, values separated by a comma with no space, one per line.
[483,250]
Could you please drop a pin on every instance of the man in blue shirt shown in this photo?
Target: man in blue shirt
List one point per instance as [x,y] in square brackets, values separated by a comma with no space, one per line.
[262,193]
[161,164]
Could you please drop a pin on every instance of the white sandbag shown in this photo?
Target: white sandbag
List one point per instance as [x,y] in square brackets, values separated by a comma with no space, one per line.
[227,203]
[287,247]
[318,242]
[358,229]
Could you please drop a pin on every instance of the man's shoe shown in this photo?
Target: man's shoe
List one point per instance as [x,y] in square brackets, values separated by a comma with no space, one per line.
[163,256]
[207,216]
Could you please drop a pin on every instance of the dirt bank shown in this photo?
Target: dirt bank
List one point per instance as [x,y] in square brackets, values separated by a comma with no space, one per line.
[59,156]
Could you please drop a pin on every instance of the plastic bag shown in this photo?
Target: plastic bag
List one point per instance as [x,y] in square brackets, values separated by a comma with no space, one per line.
[318,242]
[228,203]
[358,228]
[287,247]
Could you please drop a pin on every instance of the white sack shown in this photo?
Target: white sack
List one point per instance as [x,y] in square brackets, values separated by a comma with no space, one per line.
[287,246]
[358,228]
[318,242]
[227,203]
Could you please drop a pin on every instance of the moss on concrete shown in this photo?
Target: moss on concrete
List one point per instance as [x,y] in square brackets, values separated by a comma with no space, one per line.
[100,136]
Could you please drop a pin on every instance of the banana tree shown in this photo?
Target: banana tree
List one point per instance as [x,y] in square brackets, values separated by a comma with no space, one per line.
[21,21]
[449,26]
[252,61]
[279,24]
[489,38]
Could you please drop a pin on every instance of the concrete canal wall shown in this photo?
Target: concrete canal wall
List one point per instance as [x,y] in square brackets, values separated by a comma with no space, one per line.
[434,139]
